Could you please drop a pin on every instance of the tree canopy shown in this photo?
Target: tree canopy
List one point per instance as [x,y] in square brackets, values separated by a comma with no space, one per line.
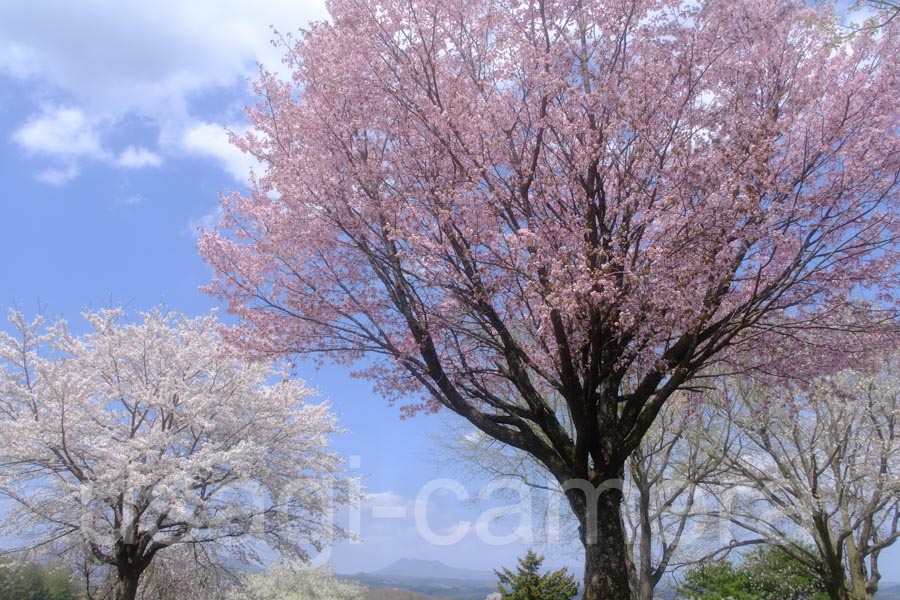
[766,573]
[139,436]
[549,217]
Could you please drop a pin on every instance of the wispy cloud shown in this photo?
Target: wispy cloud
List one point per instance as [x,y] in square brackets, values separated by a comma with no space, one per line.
[205,222]
[58,177]
[137,158]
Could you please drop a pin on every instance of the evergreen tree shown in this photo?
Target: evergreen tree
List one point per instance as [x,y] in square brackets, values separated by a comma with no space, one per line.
[527,583]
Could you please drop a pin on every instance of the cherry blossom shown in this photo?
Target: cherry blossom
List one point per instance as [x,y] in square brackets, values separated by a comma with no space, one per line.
[136,437]
[549,217]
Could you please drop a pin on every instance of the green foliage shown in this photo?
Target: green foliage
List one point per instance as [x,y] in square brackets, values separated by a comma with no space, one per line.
[766,573]
[716,581]
[33,581]
[527,583]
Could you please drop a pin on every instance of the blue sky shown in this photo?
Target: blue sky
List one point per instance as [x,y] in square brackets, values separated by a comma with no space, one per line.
[112,153]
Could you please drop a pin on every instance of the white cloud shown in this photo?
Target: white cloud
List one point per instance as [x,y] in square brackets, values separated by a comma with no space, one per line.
[144,56]
[111,60]
[136,158]
[67,136]
[211,140]
[60,132]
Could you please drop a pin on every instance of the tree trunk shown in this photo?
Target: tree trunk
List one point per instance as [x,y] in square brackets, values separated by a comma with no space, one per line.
[644,586]
[836,585]
[602,533]
[127,586]
[130,566]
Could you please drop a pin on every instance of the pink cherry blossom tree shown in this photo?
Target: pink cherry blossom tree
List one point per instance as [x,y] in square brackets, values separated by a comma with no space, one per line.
[549,217]
[140,437]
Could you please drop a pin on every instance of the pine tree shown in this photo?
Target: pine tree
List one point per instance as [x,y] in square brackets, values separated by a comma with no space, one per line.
[527,583]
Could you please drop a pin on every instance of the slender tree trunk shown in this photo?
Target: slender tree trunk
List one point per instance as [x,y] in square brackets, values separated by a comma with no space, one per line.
[644,589]
[603,536]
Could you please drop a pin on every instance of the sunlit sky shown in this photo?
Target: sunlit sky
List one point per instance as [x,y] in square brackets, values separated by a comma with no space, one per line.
[112,153]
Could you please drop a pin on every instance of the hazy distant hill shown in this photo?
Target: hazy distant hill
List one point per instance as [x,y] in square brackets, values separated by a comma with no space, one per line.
[449,589]
[410,567]
[430,577]
[395,594]
[410,579]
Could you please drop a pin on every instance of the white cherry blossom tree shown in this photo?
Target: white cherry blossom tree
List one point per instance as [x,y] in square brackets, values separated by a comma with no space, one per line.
[295,582]
[816,472]
[137,437]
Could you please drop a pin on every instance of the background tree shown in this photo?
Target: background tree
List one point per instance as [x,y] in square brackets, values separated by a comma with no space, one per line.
[528,583]
[549,217]
[885,10]
[662,492]
[718,580]
[35,581]
[664,483]
[186,572]
[137,437]
[817,472]
[295,582]
[765,573]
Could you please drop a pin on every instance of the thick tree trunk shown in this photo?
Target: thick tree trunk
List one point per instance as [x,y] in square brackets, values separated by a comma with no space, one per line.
[603,537]
[130,566]
[127,586]
[836,585]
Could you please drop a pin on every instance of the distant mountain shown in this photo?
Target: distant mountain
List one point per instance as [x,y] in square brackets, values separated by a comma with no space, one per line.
[446,589]
[431,569]
[395,594]
[888,591]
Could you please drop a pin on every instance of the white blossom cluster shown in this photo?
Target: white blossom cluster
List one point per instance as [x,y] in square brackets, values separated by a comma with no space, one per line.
[295,582]
[139,436]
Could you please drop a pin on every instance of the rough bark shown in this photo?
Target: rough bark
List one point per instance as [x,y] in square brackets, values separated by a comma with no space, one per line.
[130,564]
[602,534]
[127,586]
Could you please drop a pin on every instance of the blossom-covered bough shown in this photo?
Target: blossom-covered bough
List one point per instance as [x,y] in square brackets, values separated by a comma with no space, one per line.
[139,436]
[550,216]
